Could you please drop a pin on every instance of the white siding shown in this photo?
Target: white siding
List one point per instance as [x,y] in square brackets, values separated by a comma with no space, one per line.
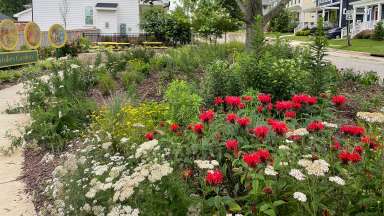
[25,17]
[47,12]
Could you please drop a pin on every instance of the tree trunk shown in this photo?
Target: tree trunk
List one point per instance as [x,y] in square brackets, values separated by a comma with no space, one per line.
[249,34]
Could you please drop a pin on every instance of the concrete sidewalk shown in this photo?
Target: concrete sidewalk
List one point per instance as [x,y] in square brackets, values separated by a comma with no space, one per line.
[13,200]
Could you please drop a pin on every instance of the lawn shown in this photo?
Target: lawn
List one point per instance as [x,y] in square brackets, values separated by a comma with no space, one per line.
[360,45]
[275,34]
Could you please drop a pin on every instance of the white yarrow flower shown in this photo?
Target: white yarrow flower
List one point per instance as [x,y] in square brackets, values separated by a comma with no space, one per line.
[300,196]
[317,168]
[269,170]
[375,117]
[337,180]
[330,125]
[283,147]
[297,174]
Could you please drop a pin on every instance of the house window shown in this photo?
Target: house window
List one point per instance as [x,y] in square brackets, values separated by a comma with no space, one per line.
[88,15]
[107,25]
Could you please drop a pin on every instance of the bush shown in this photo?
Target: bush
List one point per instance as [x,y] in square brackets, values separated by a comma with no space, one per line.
[283,22]
[378,32]
[183,102]
[220,80]
[365,34]
[106,83]
[304,32]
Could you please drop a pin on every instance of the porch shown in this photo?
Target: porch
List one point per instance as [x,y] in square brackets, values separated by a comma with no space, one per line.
[366,14]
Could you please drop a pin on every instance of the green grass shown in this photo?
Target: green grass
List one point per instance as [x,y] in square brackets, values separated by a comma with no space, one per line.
[274,34]
[360,45]
[298,38]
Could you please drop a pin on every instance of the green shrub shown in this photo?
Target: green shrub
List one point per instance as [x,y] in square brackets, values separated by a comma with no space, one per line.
[220,80]
[106,83]
[304,32]
[378,32]
[141,54]
[184,103]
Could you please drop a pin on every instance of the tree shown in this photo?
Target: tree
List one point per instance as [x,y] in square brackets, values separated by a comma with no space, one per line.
[11,7]
[64,10]
[249,10]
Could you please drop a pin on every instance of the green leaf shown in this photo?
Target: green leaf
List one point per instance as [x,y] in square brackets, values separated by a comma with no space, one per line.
[270,212]
[265,207]
[278,203]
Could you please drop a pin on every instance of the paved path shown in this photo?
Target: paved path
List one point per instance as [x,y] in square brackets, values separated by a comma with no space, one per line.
[13,201]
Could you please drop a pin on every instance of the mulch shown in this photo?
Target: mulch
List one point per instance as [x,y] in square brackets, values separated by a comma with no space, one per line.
[150,88]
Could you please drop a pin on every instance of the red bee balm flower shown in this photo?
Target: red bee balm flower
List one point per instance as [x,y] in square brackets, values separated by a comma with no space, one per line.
[231,118]
[335,144]
[338,100]
[243,122]
[312,100]
[233,101]
[218,101]
[214,177]
[344,156]
[198,128]
[149,136]
[263,154]
[247,98]
[279,127]
[290,114]
[283,105]
[354,157]
[260,109]
[174,127]
[207,116]
[264,98]
[232,145]
[358,149]
[260,132]
[252,159]
[352,130]
[315,126]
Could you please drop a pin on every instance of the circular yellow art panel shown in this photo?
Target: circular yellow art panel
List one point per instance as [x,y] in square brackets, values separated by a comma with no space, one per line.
[32,35]
[8,35]
[57,35]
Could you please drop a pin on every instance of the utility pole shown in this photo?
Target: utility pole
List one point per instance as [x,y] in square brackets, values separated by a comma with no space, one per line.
[348,17]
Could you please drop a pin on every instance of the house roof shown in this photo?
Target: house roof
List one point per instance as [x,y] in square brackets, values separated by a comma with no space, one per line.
[29,10]
[107,5]
[3,17]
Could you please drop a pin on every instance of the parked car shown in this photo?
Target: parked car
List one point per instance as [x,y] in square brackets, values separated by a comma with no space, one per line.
[334,33]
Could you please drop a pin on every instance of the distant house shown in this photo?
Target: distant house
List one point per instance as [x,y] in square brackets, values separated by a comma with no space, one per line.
[107,16]
[304,13]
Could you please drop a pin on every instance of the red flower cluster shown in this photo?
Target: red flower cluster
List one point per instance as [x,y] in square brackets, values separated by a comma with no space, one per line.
[232,145]
[243,122]
[335,144]
[278,127]
[339,100]
[247,98]
[218,101]
[358,149]
[264,98]
[315,126]
[346,157]
[255,158]
[260,132]
[231,118]
[283,105]
[290,114]
[269,107]
[214,177]
[149,136]
[304,99]
[294,138]
[198,128]
[233,101]
[207,116]
[174,127]
[352,130]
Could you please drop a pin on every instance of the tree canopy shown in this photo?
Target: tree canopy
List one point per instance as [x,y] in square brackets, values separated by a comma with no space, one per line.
[11,7]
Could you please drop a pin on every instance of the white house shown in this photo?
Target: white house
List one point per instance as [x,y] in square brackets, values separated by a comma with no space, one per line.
[108,16]
[366,14]
[303,9]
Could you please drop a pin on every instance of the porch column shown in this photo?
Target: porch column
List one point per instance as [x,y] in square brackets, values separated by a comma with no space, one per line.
[379,11]
[354,18]
[365,13]
[323,14]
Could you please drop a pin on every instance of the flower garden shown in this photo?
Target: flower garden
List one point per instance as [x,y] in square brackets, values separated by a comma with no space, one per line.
[205,130]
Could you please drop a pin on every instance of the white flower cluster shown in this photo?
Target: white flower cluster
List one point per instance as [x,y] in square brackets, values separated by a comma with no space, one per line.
[300,196]
[97,186]
[375,117]
[316,167]
[206,164]
[330,125]
[283,147]
[120,210]
[124,187]
[297,132]
[269,170]
[146,148]
[337,180]
[297,174]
